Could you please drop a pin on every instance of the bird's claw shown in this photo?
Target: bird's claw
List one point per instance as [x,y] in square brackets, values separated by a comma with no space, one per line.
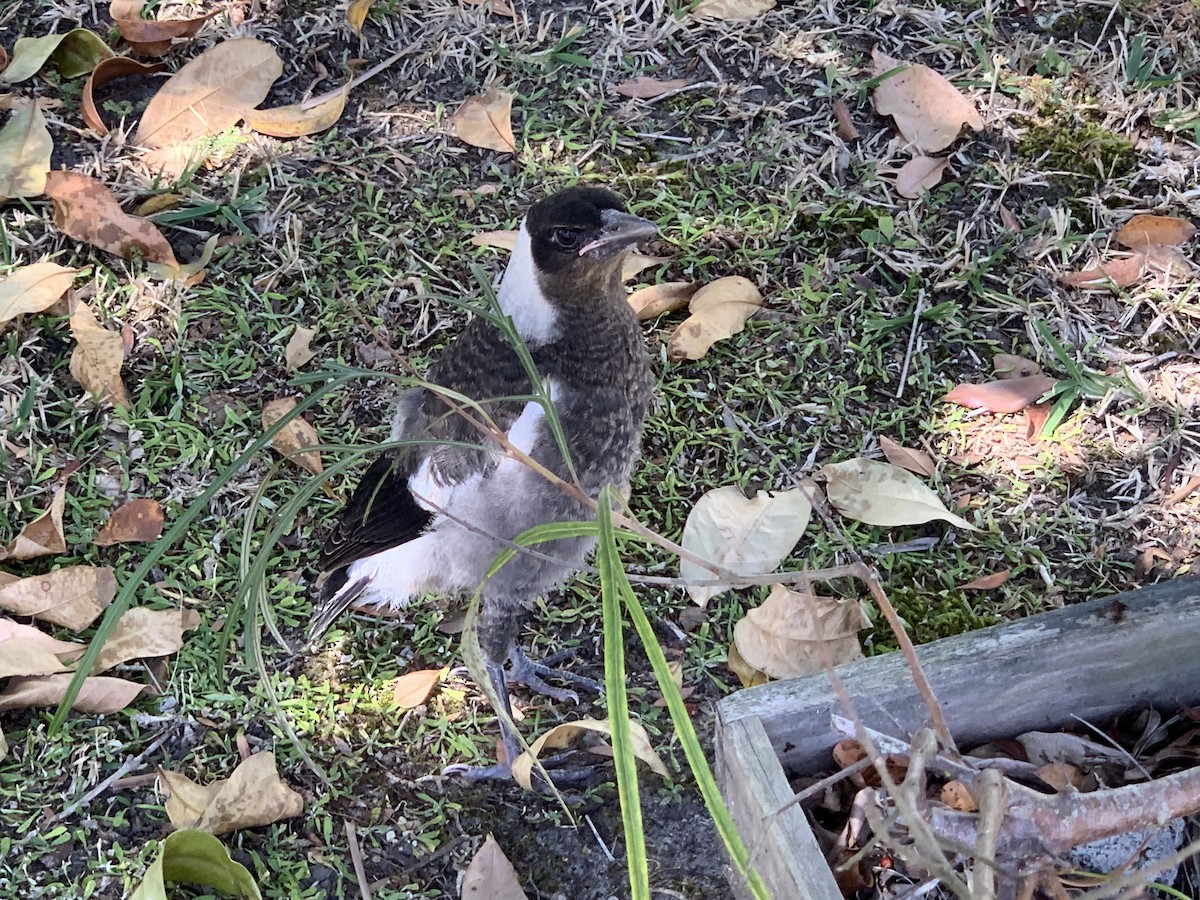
[533,674]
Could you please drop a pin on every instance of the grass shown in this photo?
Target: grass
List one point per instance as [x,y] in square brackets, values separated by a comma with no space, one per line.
[348,232]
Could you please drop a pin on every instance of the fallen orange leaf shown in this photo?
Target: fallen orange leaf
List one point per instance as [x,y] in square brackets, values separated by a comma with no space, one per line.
[486,121]
[137,521]
[412,689]
[44,535]
[1145,230]
[1008,395]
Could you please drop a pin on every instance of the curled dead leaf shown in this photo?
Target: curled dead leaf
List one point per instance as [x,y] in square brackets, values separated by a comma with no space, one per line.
[916,461]
[32,289]
[356,14]
[298,119]
[562,736]
[490,876]
[920,174]
[67,651]
[294,439]
[156,37]
[1120,272]
[657,299]
[732,10]
[882,494]
[253,795]
[928,110]
[137,521]
[794,633]
[75,52]
[298,352]
[501,240]
[957,796]
[988,582]
[1008,395]
[85,209]
[846,128]
[108,71]
[486,121]
[1146,230]
[20,657]
[746,673]
[643,88]
[719,310]
[97,358]
[72,597]
[44,535]
[745,535]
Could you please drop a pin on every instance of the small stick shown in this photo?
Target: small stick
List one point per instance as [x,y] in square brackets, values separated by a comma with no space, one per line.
[360,873]
[130,764]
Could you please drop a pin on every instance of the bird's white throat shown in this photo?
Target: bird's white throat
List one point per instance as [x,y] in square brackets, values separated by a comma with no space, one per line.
[521,296]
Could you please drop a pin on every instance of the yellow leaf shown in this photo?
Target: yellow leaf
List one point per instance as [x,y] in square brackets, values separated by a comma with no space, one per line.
[562,735]
[882,494]
[294,439]
[253,795]
[31,289]
[141,633]
[795,633]
[298,352]
[356,14]
[44,535]
[100,694]
[25,148]
[97,359]
[486,121]
[1145,230]
[300,119]
[719,310]
[412,689]
[651,302]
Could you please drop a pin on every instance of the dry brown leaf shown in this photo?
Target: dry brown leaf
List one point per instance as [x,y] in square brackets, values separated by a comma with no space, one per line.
[294,439]
[141,633]
[928,110]
[651,302]
[111,70]
[25,148]
[635,263]
[916,461]
[562,736]
[746,673]
[732,10]
[745,535]
[209,94]
[67,651]
[643,88]
[135,522]
[32,289]
[1145,230]
[1008,395]
[501,240]
[882,494]
[86,210]
[794,633]
[846,128]
[719,310]
[988,582]
[490,876]
[98,695]
[920,174]
[44,535]
[957,796]
[298,352]
[486,121]
[499,7]
[97,358]
[298,119]
[1121,272]
[156,37]
[412,689]
[23,657]
[72,597]
[253,795]
[1008,367]
[356,14]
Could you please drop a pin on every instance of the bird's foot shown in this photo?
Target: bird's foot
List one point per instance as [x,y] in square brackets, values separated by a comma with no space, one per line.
[562,776]
[533,674]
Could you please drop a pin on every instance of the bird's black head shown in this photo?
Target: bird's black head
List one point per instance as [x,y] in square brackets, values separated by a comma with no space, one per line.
[583,232]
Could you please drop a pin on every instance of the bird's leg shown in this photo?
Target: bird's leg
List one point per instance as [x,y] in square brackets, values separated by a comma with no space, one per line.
[533,674]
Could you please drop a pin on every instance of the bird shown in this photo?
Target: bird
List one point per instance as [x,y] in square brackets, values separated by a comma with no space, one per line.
[430,515]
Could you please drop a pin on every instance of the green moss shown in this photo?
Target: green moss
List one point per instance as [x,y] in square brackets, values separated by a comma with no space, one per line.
[1081,148]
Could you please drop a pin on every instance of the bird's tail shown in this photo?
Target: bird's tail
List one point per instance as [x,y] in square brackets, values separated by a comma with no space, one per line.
[335,597]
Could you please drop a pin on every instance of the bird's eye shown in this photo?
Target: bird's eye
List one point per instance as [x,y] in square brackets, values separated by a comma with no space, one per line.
[566,238]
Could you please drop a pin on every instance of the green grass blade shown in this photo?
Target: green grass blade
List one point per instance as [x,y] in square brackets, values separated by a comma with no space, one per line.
[612,576]
[688,740]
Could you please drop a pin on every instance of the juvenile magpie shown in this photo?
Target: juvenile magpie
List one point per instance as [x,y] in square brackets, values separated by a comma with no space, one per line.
[430,518]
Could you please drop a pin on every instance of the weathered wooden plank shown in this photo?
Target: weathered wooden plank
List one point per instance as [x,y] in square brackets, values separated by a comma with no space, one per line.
[781,846]
[1091,660]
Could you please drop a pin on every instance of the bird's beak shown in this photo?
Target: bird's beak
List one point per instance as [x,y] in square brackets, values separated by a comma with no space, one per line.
[618,232]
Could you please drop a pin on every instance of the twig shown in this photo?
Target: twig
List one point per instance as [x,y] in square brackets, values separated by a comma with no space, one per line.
[130,764]
[600,840]
[827,782]
[912,342]
[360,873]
